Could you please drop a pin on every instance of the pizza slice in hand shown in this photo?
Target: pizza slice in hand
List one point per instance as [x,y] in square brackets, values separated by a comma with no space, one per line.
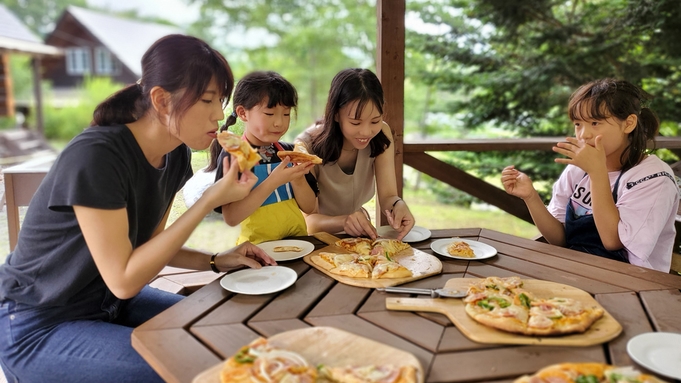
[299,154]
[245,155]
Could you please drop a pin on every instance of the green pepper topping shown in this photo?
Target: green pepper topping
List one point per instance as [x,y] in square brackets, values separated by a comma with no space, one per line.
[493,287]
[243,356]
[485,304]
[524,299]
[586,379]
[503,303]
[388,257]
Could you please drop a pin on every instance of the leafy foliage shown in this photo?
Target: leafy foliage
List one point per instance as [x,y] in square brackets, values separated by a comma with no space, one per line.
[516,62]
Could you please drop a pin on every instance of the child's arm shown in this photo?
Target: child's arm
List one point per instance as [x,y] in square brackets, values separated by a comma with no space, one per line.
[605,212]
[356,224]
[519,184]
[305,196]
[236,212]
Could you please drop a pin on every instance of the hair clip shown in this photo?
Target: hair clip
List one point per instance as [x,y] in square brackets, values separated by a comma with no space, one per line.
[234,114]
[138,82]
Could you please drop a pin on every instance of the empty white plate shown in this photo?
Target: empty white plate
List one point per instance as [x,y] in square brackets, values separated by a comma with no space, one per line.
[416,234]
[265,280]
[306,248]
[481,250]
[657,351]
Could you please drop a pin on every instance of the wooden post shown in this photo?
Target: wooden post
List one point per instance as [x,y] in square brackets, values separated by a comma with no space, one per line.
[37,93]
[390,70]
[6,93]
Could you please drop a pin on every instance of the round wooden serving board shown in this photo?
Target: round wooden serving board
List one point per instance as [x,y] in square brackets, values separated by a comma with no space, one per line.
[603,330]
[331,347]
[421,265]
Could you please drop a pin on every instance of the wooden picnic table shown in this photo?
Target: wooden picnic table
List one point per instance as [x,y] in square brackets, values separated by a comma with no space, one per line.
[212,323]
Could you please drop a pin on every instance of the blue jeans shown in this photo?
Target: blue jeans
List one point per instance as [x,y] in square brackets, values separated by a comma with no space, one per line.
[85,342]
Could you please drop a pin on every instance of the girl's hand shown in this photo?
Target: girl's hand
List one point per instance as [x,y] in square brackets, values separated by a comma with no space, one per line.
[517,183]
[357,225]
[231,187]
[400,219]
[246,254]
[581,154]
[284,173]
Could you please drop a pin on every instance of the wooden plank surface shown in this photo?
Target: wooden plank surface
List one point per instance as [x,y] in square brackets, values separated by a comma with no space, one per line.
[211,324]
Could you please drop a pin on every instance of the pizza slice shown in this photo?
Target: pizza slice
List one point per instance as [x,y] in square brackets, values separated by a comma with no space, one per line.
[343,264]
[587,373]
[299,154]
[360,246]
[388,247]
[460,249]
[261,362]
[245,155]
[284,249]
[390,269]
[370,374]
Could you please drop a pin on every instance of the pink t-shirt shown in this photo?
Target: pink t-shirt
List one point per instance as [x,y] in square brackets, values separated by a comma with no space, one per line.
[647,200]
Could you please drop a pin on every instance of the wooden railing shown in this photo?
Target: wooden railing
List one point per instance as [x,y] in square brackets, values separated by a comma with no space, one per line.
[414,154]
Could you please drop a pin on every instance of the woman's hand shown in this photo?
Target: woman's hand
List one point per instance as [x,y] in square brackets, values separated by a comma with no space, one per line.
[246,254]
[357,225]
[231,187]
[517,183]
[400,218]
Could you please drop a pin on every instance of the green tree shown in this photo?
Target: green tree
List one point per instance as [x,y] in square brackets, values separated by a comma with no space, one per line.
[307,41]
[40,15]
[515,63]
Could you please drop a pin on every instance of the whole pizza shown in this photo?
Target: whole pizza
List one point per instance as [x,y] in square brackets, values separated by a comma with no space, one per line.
[365,259]
[503,303]
[587,373]
[260,361]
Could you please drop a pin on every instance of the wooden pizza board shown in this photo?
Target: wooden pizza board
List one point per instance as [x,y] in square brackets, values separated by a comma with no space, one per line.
[331,347]
[421,265]
[601,331]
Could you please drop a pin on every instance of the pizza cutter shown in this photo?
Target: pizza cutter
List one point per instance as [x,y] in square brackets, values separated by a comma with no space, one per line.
[434,293]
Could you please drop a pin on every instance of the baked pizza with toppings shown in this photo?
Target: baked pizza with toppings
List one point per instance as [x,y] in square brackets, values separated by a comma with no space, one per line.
[244,153]
[587,373]
[260,361]
[299,154]
[360,266]
[460,249]
[503,303]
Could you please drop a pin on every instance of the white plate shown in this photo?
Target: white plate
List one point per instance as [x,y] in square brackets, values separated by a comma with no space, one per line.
[306,247]
[657,351]
[266,280]
[416,234]
[481,250]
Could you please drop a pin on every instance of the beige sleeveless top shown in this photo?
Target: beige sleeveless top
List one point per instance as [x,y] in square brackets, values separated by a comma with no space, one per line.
[341,193]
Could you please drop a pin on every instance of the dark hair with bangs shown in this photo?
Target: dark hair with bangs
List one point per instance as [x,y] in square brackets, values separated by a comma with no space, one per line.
[182,65]
[606,98]
[252,90]
[347,86]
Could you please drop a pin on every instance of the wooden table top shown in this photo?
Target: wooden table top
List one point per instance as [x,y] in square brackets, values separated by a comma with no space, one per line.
[211,324]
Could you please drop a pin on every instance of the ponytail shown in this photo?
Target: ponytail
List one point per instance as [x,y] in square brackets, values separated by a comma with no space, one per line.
[122,107]
[215,147]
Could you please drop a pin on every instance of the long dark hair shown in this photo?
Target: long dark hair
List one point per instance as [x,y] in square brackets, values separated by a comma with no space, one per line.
[347,86]
[252,90]
[609,97]
[182,65]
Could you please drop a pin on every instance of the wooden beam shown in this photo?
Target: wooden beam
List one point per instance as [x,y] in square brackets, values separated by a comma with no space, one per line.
[37,93]
[390,70]
[6,93]
[467,183]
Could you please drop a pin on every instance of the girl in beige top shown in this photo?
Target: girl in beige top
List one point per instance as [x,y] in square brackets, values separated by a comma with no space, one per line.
[355,145]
